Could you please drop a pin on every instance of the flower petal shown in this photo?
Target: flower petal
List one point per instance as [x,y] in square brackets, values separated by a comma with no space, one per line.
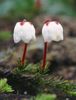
[17,34]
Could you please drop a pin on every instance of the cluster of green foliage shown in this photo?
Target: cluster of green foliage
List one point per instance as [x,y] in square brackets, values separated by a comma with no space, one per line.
[64,86]
[29,68]
[4,87]
[5,35]
[45,97]
[67,87]
[56,86]
[46,80]
[26,68]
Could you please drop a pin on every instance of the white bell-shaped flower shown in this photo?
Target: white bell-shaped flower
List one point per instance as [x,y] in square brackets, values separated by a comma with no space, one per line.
[24,31]
[52,31]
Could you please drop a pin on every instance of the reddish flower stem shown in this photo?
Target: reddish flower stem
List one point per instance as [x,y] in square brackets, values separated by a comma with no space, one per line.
[44,55]
[38,4]
[24,54]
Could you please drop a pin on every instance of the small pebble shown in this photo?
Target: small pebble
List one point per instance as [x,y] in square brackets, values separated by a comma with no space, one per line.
[25,92]
[67,99]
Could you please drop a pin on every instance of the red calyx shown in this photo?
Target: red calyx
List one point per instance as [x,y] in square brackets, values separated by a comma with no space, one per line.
[47,22]
[22,22]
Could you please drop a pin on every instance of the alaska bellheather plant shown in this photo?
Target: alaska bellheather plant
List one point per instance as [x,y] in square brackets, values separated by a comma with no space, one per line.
[24,31]
[51,31]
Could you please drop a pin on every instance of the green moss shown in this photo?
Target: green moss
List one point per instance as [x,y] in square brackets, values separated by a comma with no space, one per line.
[4,87]
[45,97]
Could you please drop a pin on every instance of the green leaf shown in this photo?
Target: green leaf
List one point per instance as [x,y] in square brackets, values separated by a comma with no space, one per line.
[45,97]
[4,87]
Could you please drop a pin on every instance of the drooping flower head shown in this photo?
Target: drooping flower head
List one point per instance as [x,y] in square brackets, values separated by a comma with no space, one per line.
[24,31]
[52,31]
